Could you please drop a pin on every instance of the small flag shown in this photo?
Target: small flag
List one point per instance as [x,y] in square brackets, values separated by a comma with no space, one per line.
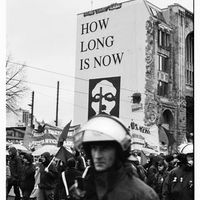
[63,135]
[63,154]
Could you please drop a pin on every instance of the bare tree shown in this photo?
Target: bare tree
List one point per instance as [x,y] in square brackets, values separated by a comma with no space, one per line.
[15,87]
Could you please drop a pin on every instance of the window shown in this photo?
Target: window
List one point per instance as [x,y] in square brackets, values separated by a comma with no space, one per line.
[162,89]
[163,39]
[189,73]
[162,63]
[9,133]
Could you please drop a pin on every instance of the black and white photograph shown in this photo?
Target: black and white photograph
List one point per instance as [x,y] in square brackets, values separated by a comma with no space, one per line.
[98,99]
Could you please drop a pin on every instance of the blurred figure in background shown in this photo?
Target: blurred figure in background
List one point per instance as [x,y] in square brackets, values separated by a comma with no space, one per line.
[15,165]
[70,174]
[140,171]
[172,161]
[8,174]
[152,170]
[80,161]
[48,176]
[179,184]
[160,175]
[28,176]
[61,166]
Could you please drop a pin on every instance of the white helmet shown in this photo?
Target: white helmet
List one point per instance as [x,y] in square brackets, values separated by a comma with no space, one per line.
[104,128]
[186,148]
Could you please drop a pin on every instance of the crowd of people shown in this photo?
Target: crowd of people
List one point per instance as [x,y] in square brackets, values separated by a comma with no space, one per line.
[102,168]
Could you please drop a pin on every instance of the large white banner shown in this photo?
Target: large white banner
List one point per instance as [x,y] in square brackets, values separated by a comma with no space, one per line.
[144,138]
[110,60]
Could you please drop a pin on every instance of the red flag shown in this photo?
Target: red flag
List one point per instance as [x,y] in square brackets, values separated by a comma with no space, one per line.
[63,135]
[63,154]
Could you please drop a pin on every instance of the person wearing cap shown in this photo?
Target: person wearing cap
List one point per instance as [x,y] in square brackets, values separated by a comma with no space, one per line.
[106,142]
[28,176]
[48,178]
[15,164]
[179,184]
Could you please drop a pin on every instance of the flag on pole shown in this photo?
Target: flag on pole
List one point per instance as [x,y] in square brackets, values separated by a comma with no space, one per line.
[63,154]
[63,135]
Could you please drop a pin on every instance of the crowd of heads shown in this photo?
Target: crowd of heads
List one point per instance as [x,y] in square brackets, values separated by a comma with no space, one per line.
[105,146]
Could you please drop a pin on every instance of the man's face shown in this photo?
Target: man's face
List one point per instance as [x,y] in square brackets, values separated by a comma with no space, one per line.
[103,156]
[107,97]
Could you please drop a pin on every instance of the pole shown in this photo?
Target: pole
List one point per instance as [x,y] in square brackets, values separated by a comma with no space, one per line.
[32,107]
[56,121]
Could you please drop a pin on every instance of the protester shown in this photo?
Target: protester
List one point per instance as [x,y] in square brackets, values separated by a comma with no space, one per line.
[70,174]
[106,142]
[160,175]
[150,160]
[152,170]
[80,161]
[179,184]
[172,161]
[48,176]
[15,165]
[8,174]
[27,179]
[130,167]
[61,166]
[140,171]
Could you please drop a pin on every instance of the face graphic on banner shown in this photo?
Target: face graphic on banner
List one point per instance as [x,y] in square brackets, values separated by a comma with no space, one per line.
[105,93]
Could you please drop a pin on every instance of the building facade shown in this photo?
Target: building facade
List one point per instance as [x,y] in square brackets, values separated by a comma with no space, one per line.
[174,58]
[139,58]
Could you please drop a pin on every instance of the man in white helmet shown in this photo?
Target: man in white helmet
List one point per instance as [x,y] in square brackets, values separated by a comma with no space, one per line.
[179,184]
[106,142]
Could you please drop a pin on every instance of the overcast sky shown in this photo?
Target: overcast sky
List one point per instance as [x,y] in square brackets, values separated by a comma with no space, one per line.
[42,34]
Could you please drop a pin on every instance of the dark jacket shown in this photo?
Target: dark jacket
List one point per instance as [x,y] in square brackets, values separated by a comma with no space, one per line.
[179,184]
[71,174]
[151,175]
[15,164]
[116,184]
[160,178]
[48,180]
[156,177]
[80,163]
[28,177]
